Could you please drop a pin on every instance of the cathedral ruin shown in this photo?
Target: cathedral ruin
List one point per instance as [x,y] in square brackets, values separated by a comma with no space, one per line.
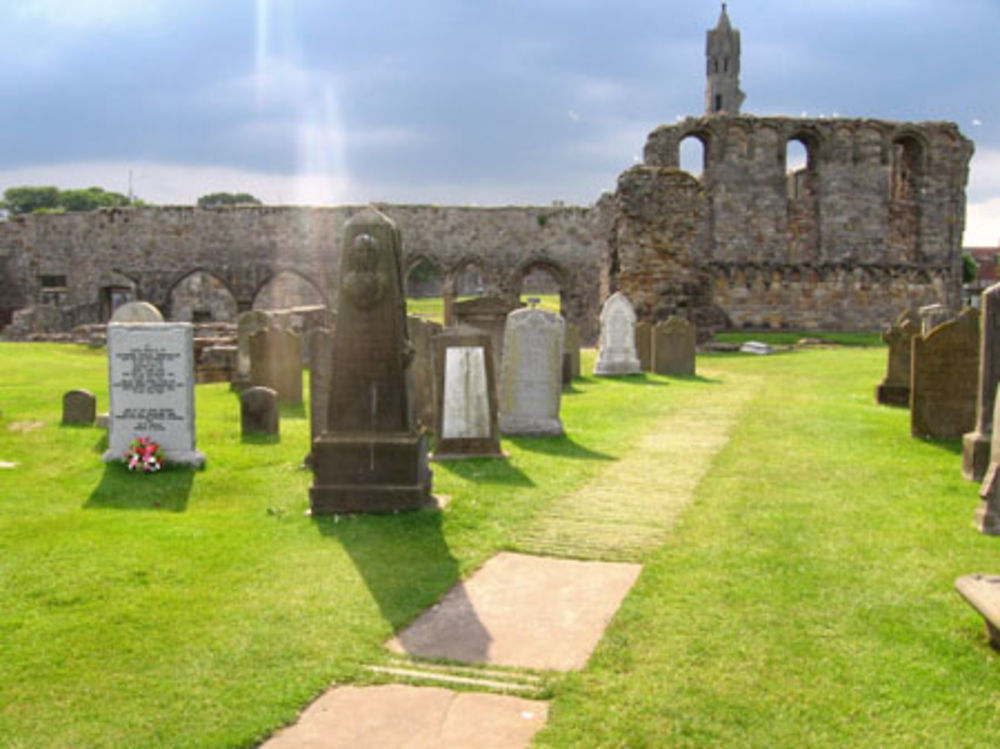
[870,224]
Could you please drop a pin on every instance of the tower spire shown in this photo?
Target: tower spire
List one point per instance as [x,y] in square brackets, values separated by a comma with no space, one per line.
[722,53]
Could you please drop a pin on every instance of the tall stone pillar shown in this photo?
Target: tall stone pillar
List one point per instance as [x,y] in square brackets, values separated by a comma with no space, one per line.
[370,458]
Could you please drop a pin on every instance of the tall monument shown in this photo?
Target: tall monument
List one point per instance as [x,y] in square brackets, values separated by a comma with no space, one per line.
[370,458]
[722,53]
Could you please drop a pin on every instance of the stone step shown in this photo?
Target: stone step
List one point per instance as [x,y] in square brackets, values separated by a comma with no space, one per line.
[435,676]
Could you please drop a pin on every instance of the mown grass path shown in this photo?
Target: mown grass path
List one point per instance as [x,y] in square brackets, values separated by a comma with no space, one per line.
[631,506]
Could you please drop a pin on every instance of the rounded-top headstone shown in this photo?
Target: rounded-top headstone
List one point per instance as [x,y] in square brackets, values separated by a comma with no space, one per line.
[79,407]
[137,312]
[259,411]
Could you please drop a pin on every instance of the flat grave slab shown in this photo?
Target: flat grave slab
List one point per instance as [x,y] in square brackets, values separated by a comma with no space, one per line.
[522,611]
[404,717]
[982,592]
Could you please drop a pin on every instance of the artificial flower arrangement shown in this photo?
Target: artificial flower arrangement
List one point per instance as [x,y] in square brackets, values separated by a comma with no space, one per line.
[144,455]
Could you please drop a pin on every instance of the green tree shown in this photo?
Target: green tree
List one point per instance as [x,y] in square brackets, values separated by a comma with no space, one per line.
[25,199]
[970,268]
[90,199]
[217,199]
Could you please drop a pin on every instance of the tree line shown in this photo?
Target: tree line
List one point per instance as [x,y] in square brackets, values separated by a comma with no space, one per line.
[48,199]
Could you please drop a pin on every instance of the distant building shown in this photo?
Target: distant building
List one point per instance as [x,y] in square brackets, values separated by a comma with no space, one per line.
[986,264]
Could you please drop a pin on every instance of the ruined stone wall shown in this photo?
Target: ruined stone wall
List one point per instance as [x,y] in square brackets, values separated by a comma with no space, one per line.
[871,223]
[183,258]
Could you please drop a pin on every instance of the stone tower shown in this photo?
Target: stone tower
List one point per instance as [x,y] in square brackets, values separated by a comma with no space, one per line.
[722,53]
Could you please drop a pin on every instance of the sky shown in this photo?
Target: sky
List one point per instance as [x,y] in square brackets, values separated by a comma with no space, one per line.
[469,102]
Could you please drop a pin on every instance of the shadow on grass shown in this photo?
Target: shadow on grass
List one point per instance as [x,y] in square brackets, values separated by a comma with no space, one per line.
[292,410]
[696,378]
[562,447]
[260,438]
[121,489]
[486,471]
[407,566]
[953,446]
[646,379]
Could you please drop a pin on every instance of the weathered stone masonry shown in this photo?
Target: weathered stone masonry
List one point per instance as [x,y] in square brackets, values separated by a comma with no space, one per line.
[151,252]
[870,225]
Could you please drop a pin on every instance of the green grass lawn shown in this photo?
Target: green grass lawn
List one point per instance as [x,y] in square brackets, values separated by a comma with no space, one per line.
[804,599]
[433,307]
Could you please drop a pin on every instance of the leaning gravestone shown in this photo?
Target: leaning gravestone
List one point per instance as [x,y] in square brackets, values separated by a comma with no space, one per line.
[644,345]
[976,444]
[319,344]
[151,384]
[674,347]
[617,355]
[259,411]
[466,395]
[932,315]
[276,363]
[247,323]
[79,407]
[987,517]
[531,379]
[944,376]
[422,370]
[370,458]
[894,390]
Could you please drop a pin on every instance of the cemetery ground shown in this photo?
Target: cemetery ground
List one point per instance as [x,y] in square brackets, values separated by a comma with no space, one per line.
[802,597]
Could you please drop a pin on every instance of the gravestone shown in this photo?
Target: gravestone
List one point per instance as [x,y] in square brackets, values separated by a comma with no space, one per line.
[571,354]
[644,345]
[137,312]
[422,370]
[617,354]
[216,364]
[987,518]
[489,314]
[259,411]
[247,323]
[531,379]
[466,409]
[757,348]
[79,407]
[976,444]
[370,458]
[276,363]
[674,347]
[151,388]
[319,344]
[944,377]
[894,390]
[932,315]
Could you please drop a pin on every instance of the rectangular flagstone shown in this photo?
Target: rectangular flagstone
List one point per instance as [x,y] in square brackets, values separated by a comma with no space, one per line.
[404,717]
[523,611]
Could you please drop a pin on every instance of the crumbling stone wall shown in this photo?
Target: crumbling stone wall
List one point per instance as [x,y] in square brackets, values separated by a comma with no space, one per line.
[189,261]
[871,224]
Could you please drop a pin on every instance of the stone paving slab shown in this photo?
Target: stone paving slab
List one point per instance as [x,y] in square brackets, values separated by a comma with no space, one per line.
[404,717]
[522,611]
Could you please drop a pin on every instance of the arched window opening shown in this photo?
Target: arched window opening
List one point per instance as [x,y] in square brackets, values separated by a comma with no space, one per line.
[797,167]
[201,297]
[424,291]
[693,155]
[540,288]
[287,290]
[905,176]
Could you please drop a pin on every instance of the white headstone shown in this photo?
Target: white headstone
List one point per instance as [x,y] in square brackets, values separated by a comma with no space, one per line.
[618,355]
[466,399]
[151,384]
[756,347]
[531,382]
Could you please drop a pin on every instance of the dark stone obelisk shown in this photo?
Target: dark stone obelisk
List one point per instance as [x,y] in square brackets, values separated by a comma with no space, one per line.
[370,458]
